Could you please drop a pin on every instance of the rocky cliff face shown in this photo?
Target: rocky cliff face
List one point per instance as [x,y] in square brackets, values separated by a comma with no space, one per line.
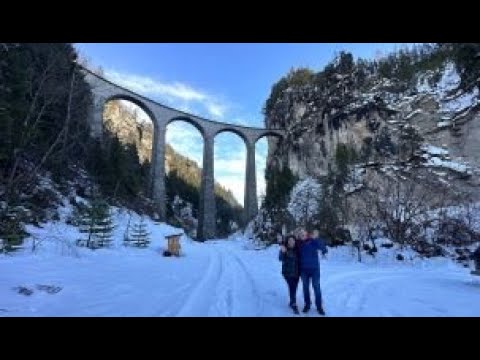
[121,121]
[421,127]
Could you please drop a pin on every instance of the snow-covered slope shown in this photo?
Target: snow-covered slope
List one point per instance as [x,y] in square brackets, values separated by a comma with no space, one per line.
[218,278]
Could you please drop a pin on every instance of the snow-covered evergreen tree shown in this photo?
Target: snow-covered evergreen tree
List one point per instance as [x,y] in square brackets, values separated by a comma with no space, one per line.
[12,231]
[138,236]
[104,230]
[304,201]
[97,225]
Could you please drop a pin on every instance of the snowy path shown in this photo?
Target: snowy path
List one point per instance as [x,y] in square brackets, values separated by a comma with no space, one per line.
[223,278]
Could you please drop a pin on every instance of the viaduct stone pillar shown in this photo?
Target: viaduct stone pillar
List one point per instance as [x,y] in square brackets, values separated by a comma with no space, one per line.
[250,196]
[158,171]
[95,117]
[207,217]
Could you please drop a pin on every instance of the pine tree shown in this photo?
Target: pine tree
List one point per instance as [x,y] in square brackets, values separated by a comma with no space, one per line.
[97,225]
[279,184]
[104,230]
[12,231]
[139,236]
[345,63]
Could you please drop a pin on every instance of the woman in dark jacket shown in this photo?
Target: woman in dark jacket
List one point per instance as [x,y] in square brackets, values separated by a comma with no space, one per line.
[290,268]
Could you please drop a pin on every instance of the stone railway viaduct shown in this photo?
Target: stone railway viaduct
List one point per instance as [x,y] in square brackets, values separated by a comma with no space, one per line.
[104,90]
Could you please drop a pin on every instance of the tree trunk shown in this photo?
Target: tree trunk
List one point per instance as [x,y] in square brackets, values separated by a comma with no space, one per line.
[67,119]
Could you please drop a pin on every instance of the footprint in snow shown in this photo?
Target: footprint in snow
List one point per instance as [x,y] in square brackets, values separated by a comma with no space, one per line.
[23,290]
[50,289]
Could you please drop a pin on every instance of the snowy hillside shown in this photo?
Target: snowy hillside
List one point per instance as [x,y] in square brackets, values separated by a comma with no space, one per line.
[217,278]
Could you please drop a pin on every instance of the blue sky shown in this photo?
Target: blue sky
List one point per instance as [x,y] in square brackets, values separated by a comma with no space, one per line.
[225,82]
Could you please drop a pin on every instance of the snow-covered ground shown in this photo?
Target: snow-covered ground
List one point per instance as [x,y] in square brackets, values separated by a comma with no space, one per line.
[219,278]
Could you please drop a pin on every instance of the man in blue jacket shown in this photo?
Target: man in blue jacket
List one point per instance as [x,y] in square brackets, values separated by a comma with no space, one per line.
[310,268]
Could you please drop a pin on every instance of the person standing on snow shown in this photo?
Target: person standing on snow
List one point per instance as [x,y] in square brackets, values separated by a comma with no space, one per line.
[290,268]
[310,267]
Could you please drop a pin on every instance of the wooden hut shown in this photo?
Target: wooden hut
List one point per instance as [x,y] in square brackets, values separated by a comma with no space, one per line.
[173,244]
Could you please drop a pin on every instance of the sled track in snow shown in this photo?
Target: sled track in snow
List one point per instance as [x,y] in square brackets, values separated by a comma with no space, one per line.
[196,303]
[259,302]
[227,288]
[235,290]
[221,292]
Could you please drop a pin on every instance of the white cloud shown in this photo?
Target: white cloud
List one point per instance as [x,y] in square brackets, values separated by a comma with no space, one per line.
[175,94]
[230,166]
[217,110]
[146,85]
